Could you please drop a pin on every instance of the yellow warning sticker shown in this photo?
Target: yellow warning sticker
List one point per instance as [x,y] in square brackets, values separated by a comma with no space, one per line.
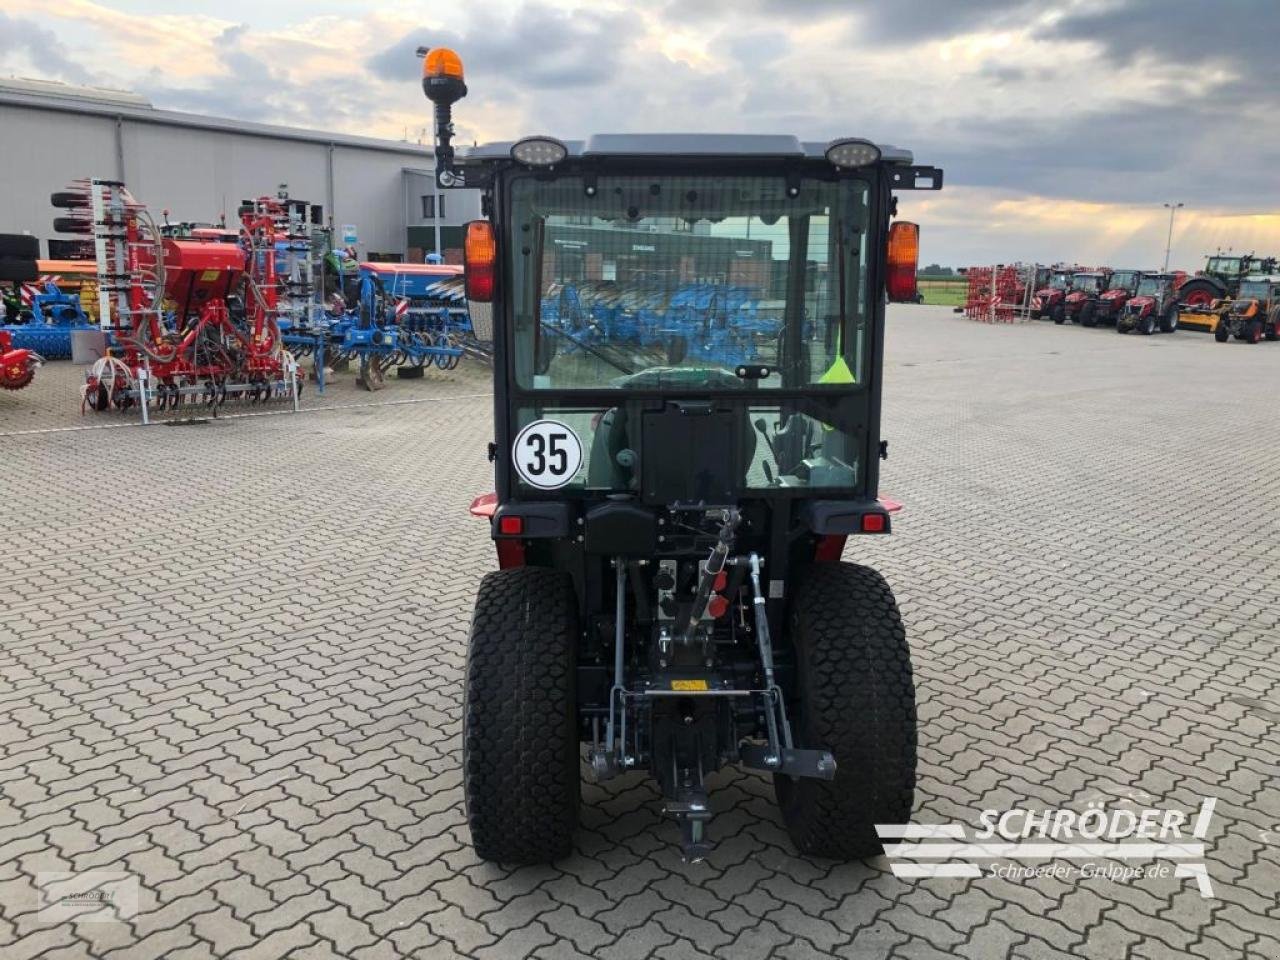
[209,276]
[688,685]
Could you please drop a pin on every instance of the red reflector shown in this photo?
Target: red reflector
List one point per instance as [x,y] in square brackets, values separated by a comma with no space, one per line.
[873,522]
[722,581]
[717,606]
[511,526]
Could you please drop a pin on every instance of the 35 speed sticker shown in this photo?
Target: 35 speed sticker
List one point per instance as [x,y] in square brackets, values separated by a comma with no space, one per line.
[547,454]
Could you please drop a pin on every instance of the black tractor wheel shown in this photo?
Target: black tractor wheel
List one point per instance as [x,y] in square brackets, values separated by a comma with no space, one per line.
[1222,331]
[1089,315]
[855,697]
[1058,314]
[1169,319]
[1147,325]
[1199,292]
[1254,331]
[1273,324]
[520,774]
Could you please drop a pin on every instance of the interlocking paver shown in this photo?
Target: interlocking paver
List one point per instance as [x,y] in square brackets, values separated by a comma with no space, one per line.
[231,662]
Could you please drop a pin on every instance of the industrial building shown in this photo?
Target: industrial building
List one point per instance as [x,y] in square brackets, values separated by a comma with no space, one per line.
[199,168]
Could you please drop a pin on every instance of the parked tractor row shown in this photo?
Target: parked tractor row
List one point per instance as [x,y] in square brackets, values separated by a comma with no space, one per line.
[1145,301]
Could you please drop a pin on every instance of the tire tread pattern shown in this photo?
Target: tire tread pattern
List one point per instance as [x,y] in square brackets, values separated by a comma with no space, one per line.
[856,698]
[520,742]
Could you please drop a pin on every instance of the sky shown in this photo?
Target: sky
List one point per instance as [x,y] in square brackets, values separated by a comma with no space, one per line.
[1063,126]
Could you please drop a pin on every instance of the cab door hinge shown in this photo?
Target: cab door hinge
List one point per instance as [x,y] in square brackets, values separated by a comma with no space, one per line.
[884,449]
[493,451]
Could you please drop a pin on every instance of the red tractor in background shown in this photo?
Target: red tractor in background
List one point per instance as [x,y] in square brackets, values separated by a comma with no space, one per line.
[1050,301]
[1154,305]
[1111,302]
[1081,304]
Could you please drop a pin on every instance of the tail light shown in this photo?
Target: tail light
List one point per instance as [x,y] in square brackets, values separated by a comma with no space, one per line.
[480,257]
[904,253]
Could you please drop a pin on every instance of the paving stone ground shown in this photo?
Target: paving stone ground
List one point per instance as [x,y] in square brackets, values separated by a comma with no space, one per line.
[231,661]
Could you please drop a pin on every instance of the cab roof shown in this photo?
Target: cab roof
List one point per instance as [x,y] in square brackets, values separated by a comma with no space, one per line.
[782,146]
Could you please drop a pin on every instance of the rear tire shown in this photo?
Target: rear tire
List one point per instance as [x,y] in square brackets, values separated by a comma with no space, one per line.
[520,775]
[19,246]
[1273,324]
[1222,331]
[1199,292]
[1169,322]
[855,697]
[1255,331]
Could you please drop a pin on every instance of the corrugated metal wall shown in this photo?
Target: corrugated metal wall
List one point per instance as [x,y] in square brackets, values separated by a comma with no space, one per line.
[197,174]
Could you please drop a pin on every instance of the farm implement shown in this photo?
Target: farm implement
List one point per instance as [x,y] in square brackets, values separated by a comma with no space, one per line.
[720,324]
[386,315]
[17,366]
[195,319]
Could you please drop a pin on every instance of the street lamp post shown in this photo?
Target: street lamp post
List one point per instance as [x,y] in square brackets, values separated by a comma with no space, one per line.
[1172,208]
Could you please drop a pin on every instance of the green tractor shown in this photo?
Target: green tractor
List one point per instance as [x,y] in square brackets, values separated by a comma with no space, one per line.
[670,530]
[1220,278]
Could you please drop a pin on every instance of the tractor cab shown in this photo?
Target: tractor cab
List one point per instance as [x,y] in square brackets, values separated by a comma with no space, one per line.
[688,336]
[1081,303]
[1050,300]
[1111,302]
[1153,306]
[1252,314]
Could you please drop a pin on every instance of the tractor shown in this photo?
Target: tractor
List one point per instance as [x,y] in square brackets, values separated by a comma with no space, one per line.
[1153,306]
[1220,279]
[1253,313]
[1111,302]
[1050,301]
[671,594]
[1081,304]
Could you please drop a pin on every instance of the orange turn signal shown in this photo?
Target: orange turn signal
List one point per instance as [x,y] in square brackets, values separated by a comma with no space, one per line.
[442,62]
[904,254]
[480,257]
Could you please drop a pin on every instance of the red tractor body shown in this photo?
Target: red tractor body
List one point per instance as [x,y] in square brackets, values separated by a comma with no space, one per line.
[1081,304]
[1111,302]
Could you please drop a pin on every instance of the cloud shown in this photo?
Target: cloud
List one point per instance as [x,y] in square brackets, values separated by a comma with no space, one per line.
[534,46]
[42,48]
[1092,107]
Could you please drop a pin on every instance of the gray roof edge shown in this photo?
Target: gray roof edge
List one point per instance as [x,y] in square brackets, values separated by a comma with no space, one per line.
[197,121]
[689,144]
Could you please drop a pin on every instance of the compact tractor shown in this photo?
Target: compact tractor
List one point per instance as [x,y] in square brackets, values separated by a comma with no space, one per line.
[1050,301]
[1253,313]
[1153,306]
[1081,304]
[669,532]
[1111,302]
[1220,279]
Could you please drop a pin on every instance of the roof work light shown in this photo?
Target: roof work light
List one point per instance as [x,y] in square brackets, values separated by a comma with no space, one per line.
[539,151]
[851,152]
